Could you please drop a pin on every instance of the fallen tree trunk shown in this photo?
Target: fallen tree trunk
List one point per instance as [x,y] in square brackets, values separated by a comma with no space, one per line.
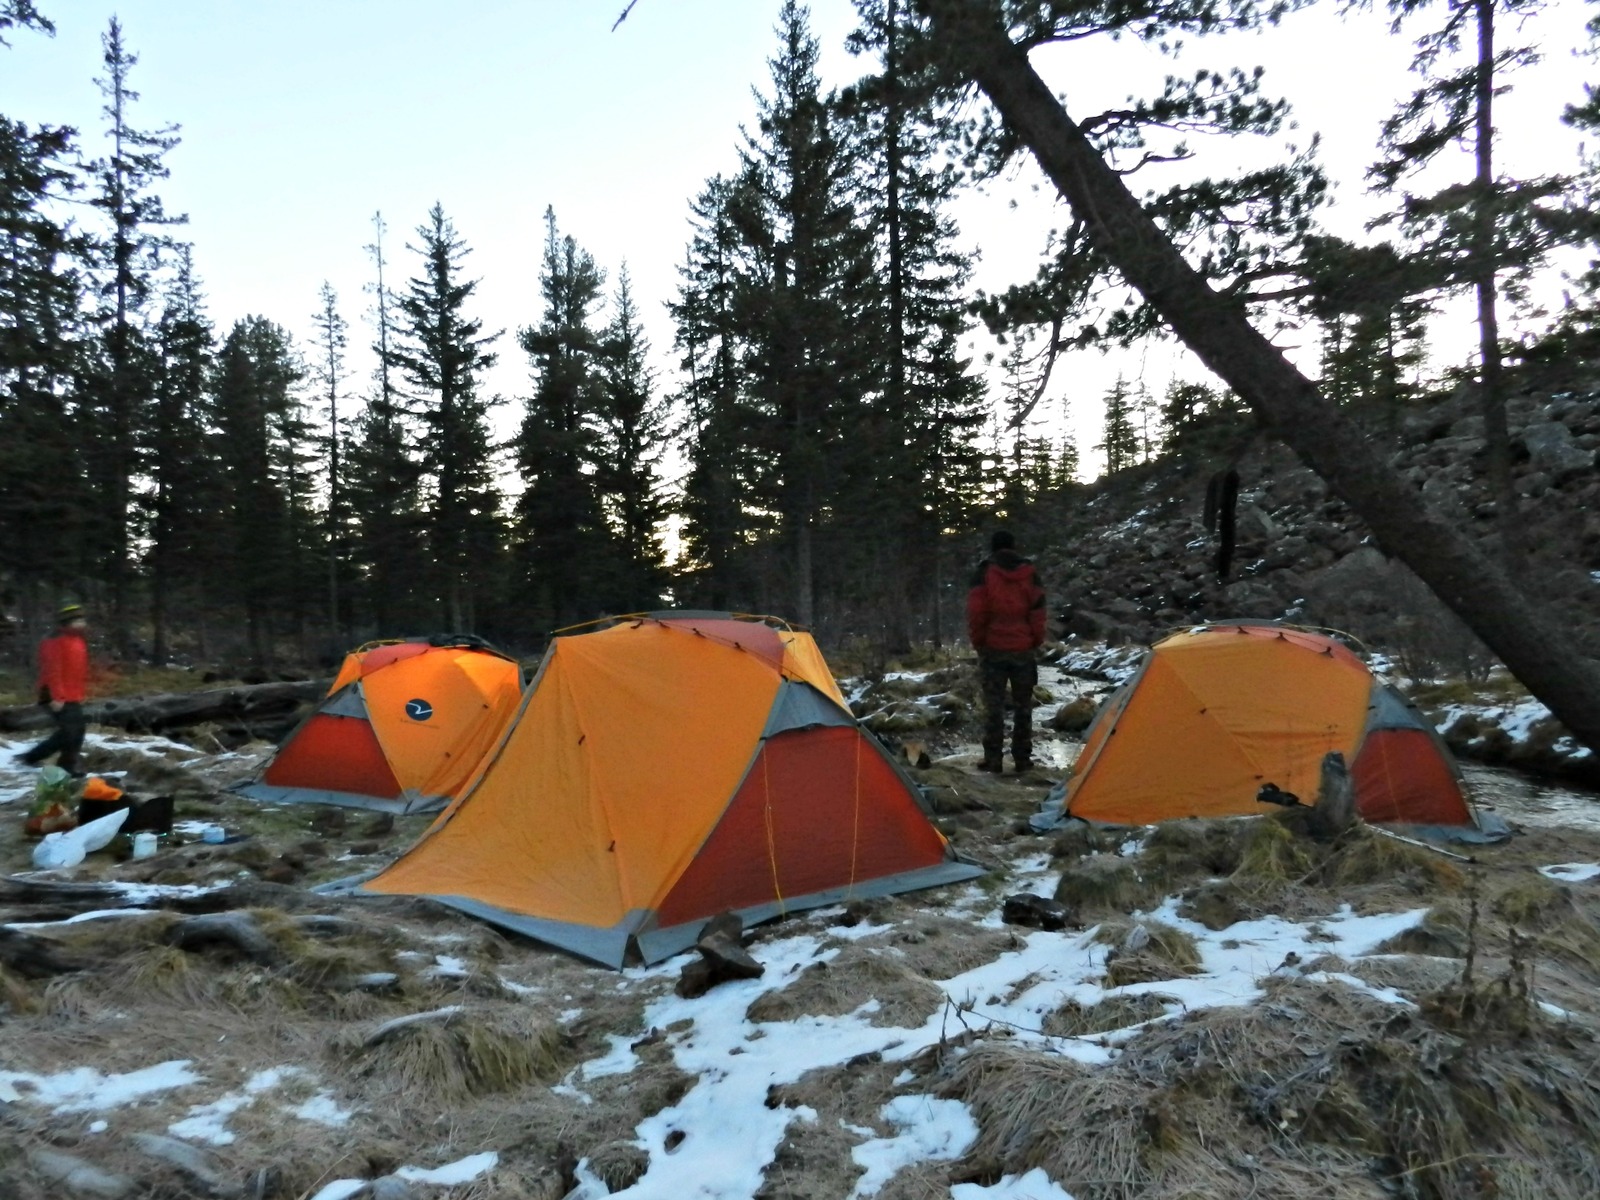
[177,710]
[1517,627]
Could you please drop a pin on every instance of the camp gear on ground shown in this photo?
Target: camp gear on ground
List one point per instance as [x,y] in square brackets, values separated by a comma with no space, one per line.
[667,769]
[402,729]
[50,811]
[68,848]
[95,788]
[144,844]
[154,814]
[1217,712]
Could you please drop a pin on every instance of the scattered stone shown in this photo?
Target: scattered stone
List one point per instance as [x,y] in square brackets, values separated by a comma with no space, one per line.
[392,1187]
[1552,452]
[1074,716]
[234,930]
[202,1167]
[78,1177]
[1035,912]
[378,982]
[722,958]
[380,826]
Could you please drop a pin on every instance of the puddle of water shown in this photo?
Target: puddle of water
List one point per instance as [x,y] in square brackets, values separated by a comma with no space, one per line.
[1518,798]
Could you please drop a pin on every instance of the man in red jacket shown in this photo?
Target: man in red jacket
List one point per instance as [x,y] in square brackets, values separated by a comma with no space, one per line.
[1005,620]
[63,685]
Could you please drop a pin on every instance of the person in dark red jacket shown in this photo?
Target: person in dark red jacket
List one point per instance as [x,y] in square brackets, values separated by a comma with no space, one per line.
[1005,620]
[63,687]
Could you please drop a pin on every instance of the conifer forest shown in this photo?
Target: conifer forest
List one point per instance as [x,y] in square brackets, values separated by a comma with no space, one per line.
[826,436]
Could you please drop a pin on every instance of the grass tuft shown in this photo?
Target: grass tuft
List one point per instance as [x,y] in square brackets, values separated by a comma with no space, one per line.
[465,1056]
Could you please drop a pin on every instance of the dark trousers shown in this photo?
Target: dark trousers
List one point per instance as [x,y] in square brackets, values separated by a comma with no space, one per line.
[1019,673]
[65,741]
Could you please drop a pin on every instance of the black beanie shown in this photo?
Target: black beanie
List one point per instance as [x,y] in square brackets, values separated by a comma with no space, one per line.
[1002,540]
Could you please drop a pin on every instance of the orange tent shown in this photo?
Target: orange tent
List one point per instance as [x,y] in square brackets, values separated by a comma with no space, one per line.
[1216,712]
[667,769]
[401,730]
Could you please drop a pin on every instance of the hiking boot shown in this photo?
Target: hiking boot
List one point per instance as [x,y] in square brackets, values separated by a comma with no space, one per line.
[1024,765]
[991,764]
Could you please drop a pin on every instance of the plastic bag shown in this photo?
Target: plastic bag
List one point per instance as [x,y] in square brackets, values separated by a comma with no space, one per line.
[69,848]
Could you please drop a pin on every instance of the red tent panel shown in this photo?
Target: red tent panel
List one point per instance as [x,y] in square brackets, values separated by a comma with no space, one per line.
[334,754]
[795,827]
[1401,776]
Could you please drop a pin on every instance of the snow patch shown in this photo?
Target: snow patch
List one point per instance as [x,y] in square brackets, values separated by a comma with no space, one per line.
[1571,872]
[930,1130]
[83,1089]
[1035,1185]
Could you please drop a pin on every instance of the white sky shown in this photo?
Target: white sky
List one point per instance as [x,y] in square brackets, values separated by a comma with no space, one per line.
[302,117]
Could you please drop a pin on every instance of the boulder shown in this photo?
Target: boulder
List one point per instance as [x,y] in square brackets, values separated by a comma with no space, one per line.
[1035,912]
[1074,716]
[722,958]
[1552,451]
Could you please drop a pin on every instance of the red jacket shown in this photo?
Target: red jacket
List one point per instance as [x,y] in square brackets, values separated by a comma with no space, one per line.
[1005,608]
[64,667]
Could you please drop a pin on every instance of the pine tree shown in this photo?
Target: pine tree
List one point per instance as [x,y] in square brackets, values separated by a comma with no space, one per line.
[558,519]
[632,435]
[1121,444]
[1493,230]
[21,14]
[186,490]
[381,481]
[328,374]
[119,401]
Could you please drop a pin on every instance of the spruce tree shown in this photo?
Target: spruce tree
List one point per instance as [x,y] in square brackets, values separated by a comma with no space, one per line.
[1121,440]
[328,374]
[256,375]
[186,490]
[806,300]
[42,483]
[928,403]
[632,435]
[440,351]
[558,519]
[710,339]
[381,481]
[122,389]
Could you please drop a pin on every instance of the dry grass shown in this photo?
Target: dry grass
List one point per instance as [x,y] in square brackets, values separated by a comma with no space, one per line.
[940,947]
[902,998]
[1073,1019]
[1105,885]
[465,1056]
[1146,951]
[1318,1090]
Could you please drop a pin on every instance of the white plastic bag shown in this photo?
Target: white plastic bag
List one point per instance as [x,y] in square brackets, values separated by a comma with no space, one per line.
[68,848]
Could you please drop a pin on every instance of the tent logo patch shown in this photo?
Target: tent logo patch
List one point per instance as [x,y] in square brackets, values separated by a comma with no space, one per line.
[419,710]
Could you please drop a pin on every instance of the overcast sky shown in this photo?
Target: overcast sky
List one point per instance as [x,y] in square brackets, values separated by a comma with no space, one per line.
[301,118]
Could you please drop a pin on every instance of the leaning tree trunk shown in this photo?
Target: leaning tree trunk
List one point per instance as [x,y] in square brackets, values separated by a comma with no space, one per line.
[1523,632]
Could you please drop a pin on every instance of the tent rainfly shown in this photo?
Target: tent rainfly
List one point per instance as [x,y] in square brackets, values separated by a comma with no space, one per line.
[401,730]
[1216,712]
[666,769]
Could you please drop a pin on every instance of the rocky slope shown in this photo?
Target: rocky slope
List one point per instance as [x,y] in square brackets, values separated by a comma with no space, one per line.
[1132,559]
